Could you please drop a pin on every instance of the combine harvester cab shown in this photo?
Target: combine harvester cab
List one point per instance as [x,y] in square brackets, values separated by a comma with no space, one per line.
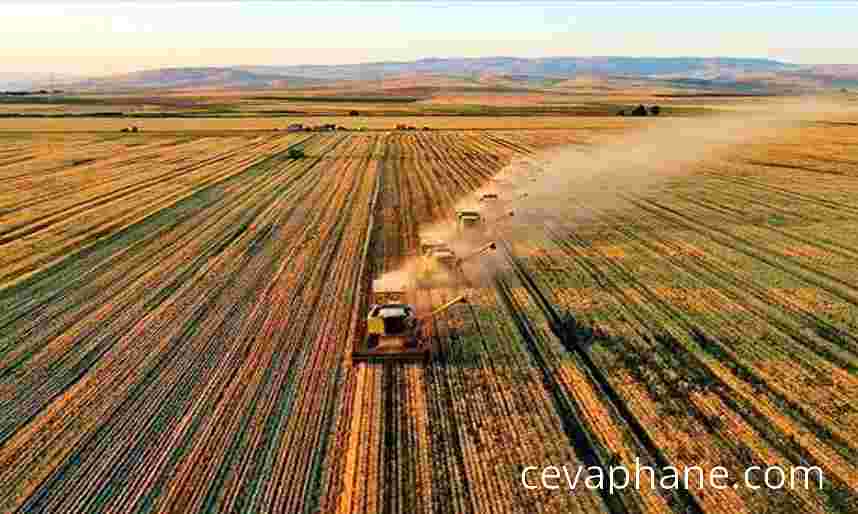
[391,323]
[436,262]
[469,222]
[445,256]
[474,226]
[392,326]
[428,244]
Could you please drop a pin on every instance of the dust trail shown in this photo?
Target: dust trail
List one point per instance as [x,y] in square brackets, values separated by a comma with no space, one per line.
[573,184]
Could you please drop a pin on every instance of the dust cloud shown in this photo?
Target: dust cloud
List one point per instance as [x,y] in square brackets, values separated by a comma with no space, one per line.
[577,183]
[573,184]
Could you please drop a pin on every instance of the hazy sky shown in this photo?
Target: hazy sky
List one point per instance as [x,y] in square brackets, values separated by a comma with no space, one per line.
[111,37]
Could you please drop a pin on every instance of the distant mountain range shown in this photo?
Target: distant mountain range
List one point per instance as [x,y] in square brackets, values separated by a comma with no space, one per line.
[16,81]
[697,72]
[205,77]
[555,67]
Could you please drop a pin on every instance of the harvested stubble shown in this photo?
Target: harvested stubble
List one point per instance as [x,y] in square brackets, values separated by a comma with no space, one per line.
[177,315]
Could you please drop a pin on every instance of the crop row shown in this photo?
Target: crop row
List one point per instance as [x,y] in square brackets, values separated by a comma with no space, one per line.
[181,362]
[436,439]
[715,328]
[692,314]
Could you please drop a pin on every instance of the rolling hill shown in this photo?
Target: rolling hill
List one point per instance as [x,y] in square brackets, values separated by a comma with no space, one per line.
[716,73]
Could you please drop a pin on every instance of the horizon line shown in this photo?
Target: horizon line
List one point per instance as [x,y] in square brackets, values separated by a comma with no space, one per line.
[429,58]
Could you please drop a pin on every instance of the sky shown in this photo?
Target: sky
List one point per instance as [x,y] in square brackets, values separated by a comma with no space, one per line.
[100,37]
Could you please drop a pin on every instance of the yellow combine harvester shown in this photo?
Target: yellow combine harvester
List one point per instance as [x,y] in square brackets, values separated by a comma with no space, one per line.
[438,252]
[428,244]
[440,265]
[469,221]
[393,328]
[437,261]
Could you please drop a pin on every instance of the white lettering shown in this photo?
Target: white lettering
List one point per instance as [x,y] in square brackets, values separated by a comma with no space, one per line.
[614,485]
[750,483]
[642,469]
[718,473]
[573,484]
[555,474]
[770,484]
[524,478]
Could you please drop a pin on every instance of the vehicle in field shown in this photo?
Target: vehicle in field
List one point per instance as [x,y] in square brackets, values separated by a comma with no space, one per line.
[469,221]
[393,328]
[439,264]
[427,244]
